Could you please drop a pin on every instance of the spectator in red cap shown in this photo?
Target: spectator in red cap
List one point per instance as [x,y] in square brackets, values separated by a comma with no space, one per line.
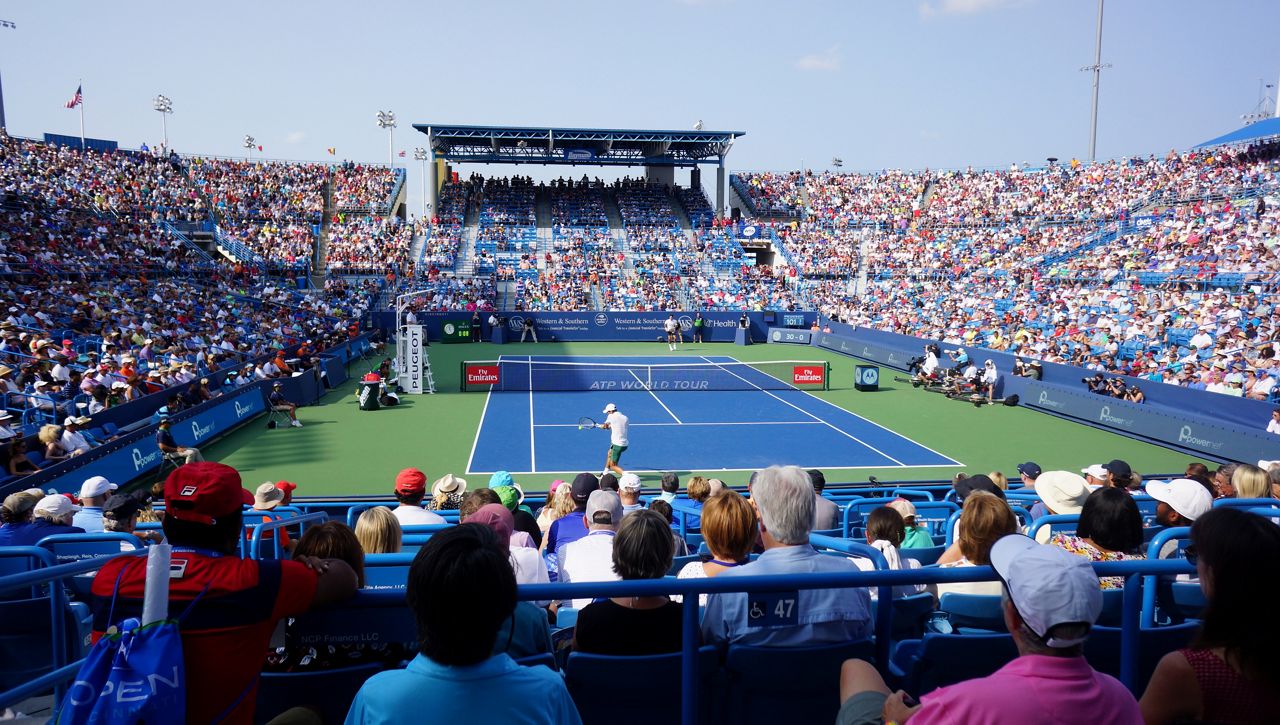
[226,633]
[411,488]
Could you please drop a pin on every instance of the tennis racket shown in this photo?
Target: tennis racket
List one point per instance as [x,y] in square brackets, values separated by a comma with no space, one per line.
[584,423]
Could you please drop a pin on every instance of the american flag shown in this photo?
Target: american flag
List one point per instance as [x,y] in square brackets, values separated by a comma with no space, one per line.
[77,99]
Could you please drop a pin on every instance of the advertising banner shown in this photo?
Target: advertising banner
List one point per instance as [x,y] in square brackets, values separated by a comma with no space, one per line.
[135,455]
[808,374]
[718,326]
[483,375]
[412,341]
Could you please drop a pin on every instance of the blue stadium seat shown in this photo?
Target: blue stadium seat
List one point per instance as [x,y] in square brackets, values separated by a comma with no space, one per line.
[593,681]
[973,613]
[788,684]
[920,666]
[328,692]
[926,555]
[1102,649]
[26,632]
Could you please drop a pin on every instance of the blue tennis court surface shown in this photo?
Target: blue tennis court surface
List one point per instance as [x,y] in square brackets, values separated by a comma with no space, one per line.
[671,430]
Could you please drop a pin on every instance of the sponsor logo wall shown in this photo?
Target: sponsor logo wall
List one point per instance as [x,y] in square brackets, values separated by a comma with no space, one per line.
[618,326]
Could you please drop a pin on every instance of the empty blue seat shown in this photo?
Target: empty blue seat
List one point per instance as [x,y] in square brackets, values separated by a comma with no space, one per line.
[593,681]
[1102,649]
[973,613]
[328,692]
[788,684]
[920,666]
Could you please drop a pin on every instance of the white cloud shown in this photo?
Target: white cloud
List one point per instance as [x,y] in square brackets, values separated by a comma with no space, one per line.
[930,9]
[827,60]
[295,137]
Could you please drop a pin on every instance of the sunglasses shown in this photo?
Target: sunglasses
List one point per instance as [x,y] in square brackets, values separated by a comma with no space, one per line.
[1190,554]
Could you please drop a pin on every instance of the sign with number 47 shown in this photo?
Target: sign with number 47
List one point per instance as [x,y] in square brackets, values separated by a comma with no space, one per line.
[772,609]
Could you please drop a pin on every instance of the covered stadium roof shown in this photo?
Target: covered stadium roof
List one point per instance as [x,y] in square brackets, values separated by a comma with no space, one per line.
[1260,131]
[587,146]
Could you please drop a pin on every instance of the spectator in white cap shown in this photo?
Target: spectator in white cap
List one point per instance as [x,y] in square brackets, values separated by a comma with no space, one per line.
[93,494]
[1051,600]
[590,558]
[1095,476]
[1179,503]
[73,441]
[1061,492]
[51,515]
[629,493]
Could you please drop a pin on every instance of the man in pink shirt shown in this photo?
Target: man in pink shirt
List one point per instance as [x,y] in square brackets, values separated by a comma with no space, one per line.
[1052,598]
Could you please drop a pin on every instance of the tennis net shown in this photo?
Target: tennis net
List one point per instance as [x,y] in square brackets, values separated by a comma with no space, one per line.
[527,375]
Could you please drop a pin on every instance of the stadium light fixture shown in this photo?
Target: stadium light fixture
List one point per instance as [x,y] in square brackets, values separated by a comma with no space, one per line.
[697,125]
[248,144]
[11,26]
[387,120]
[1097,68]
[420,155]
[164,105]
[837,162]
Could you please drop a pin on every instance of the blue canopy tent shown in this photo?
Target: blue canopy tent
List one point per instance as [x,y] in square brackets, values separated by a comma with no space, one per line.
[1260,131]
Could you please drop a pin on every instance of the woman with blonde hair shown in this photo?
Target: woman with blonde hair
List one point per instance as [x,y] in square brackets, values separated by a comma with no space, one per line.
[999,480]
[1250,482]
[378,531]
[559,503]
[51,436]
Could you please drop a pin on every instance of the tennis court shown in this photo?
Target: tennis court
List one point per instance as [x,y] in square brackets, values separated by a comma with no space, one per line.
[710,413]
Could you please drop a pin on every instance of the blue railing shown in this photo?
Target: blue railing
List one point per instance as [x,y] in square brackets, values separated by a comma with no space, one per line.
[1133,572]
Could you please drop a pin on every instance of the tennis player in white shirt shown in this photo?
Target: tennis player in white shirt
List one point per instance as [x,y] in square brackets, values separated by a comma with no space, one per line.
[616,423]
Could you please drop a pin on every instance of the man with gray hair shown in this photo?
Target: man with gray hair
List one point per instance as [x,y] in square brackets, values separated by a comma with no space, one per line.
[670,487]
[590,559]
[783,498]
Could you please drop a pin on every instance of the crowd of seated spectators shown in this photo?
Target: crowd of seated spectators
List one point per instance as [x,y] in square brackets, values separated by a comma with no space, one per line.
[461,588]
[145,186]
[696,205]
[577,203]
[645,203]
[361,187]
[362,244]
[448,293]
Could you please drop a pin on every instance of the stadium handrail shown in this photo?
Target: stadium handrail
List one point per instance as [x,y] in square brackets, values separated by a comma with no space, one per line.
[1134,572]
[255,541]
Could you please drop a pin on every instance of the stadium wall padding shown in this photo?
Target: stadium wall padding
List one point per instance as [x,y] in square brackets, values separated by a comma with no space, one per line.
[613,326]
[1205,424]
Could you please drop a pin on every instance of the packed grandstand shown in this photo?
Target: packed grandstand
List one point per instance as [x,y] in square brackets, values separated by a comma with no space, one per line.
[144,275]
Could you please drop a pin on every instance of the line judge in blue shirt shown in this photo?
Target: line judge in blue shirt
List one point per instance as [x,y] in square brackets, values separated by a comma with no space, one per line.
[783,497]
[461,589]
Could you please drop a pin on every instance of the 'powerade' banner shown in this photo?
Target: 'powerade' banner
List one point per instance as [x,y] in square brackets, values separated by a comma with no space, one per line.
[137,455]
[718,326]
[1184,431]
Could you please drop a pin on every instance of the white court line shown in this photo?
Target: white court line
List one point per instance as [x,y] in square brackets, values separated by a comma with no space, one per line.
[533,463]
[655,396]
[483,413]
[802,410]
[887,430]
[754,422]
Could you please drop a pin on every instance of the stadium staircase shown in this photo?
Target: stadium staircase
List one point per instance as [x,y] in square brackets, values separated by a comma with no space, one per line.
[319,268]
[927,196]
[466,265]
[191,244]
[417,246]
[677,207]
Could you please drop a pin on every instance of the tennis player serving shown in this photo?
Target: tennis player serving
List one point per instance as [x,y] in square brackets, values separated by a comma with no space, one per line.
[616,423]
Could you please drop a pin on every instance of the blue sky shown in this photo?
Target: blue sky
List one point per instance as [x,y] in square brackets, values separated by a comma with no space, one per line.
[939,83]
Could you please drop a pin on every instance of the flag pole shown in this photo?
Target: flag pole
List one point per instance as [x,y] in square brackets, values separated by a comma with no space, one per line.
[82,146]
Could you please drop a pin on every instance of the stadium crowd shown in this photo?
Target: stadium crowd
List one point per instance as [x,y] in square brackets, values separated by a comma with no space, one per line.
[473,636]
